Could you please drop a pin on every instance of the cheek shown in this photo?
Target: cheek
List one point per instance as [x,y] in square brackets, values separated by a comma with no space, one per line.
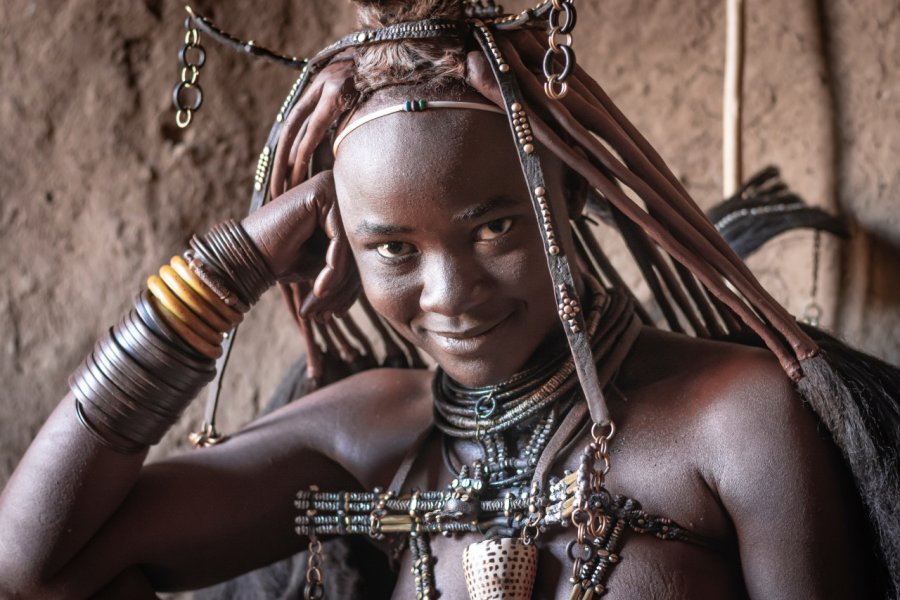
[393,296]
[525,269]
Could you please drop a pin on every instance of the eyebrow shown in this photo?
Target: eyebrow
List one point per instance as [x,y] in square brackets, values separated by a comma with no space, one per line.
[479,210]
[369,228]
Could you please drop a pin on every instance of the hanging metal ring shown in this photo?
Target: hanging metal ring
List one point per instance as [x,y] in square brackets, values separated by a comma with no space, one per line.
[597,431]
[184,59]
[555,89]
[177,99]
[485,406]
[568,63]
[183,118]
[571,17]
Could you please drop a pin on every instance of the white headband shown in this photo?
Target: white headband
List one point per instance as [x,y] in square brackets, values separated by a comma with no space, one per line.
[412,106]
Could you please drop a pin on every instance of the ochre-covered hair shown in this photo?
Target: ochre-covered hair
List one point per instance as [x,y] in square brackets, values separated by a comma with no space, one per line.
[428,64]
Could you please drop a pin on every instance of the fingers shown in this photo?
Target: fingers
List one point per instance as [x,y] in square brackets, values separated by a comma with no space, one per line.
[335,261]
[337,285]
[292,127]
[337,256]
[332,104]
[296,143]
[337,302]
[327,97]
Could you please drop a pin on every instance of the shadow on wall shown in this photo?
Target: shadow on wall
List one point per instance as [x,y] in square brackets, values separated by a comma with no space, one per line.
[869,294]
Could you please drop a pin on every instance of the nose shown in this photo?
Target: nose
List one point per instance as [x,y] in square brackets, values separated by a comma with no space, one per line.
[452,286]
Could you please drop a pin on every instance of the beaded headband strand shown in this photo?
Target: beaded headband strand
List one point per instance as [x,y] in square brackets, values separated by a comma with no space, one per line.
[412,106]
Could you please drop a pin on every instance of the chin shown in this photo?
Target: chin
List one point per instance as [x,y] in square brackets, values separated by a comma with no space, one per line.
[496,360]
[480,372]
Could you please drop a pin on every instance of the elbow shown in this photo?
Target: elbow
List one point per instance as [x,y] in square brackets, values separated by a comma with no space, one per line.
[12,589]
[17,578]
[19,582]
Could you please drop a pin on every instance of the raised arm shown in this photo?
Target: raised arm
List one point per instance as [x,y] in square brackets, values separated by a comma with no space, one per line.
[77,488]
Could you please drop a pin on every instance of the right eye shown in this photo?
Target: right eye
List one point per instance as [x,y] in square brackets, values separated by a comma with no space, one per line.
[395,249]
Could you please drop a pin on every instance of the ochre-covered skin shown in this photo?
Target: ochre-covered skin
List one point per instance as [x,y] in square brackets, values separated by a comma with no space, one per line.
[711,435]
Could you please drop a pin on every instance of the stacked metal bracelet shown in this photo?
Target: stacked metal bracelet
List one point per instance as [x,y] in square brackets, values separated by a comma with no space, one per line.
[140,376]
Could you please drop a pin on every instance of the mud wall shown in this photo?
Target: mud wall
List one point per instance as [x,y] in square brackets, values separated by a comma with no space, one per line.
[98,186]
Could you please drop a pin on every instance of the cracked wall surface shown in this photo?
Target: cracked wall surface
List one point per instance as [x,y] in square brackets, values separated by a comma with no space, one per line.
[98,187]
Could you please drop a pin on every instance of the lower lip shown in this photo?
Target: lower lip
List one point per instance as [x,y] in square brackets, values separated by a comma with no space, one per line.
[465,346]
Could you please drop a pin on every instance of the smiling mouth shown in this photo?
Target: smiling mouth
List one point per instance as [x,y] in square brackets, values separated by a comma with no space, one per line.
[461,343]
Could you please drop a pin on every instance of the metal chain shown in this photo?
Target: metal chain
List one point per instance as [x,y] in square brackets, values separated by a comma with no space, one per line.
[812,314]
[315,587]
[187,96]
[589,521]
[559,38]
[531,530]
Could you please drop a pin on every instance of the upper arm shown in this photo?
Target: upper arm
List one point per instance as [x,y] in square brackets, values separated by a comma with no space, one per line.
[210,514]
[783,483]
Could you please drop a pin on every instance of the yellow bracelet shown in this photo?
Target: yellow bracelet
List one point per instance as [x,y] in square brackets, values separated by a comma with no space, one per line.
[186,333]
[184,271]
[167,298]
[193,301]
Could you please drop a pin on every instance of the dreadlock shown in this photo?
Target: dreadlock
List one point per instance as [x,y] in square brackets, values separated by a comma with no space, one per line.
[700,285]
[427,65]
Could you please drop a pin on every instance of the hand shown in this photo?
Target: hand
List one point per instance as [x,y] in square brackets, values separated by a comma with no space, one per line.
[328,96]
[302,240]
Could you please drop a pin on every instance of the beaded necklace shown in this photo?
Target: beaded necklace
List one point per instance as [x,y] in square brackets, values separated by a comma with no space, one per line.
[522,426]
[511,421]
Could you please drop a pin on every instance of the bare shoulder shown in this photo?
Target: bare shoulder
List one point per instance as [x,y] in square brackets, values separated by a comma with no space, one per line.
[742,414]
[716,380]
[736,424]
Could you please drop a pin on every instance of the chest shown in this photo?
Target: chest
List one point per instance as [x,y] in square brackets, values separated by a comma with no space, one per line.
[644,565]
[648,568]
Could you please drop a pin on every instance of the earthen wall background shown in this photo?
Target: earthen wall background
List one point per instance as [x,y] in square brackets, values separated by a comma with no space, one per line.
[98,187]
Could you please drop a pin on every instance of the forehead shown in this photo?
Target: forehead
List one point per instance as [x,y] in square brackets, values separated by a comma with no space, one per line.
[404,161]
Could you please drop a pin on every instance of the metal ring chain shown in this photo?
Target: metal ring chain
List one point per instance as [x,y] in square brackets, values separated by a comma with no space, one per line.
[315,588]
[187,96]
[591,521]
[531,530]
[812,314]
[559,38]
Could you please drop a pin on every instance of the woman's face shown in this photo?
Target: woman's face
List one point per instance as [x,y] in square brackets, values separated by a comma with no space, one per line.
[442,229]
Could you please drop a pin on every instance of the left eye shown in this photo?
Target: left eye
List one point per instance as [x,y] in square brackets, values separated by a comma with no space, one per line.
[493,229]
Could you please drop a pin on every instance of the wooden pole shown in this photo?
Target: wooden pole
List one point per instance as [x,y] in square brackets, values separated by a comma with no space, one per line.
[732,167]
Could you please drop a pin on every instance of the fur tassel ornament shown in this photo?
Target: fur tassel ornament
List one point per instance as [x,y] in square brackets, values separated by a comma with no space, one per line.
[856,397]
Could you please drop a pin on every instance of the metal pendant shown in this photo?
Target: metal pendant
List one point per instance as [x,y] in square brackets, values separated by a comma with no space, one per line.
[500,568]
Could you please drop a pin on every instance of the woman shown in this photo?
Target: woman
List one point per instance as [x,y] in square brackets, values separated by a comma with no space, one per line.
[681,485]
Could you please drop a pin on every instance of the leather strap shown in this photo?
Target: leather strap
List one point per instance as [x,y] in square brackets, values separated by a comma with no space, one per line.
[557,257]
[562,437]
[409,460]
[617,344]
